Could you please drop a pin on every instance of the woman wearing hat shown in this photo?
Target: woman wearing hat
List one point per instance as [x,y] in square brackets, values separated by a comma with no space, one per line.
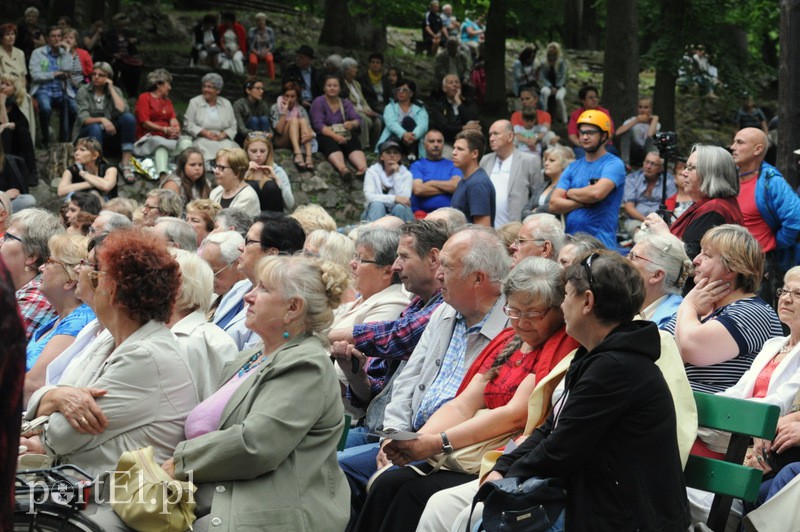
[103,114]
[387,186]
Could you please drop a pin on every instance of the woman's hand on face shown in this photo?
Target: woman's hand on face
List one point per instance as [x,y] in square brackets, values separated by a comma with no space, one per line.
[788,437]
[706,293]
[80,409]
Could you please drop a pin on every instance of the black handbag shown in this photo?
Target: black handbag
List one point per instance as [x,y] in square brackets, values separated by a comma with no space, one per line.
[512,505]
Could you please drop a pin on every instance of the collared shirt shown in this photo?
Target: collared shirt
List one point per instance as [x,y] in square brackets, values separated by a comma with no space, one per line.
[34,308]
[636,186]
[451,372]
[501,179]
[54,88]
[384,341]
[306,89]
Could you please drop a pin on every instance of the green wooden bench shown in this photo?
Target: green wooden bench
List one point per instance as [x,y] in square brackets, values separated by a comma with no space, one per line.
[729,479]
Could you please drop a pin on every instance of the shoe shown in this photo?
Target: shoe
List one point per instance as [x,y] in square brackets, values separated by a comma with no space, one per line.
[298,162]
[310,163]
[128,175]
[361,172]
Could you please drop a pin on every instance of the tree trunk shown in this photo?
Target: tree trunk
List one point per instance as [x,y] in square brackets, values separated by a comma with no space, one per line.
[670,53]
[367,30]
[338,28]
[590,36]
[573,20]
[788,89]
[621,61]
[494,55]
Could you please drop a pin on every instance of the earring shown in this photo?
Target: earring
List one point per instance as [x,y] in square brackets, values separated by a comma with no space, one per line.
[285,329]
[286,334]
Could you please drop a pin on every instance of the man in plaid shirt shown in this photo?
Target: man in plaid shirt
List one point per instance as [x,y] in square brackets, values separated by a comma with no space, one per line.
[380,347]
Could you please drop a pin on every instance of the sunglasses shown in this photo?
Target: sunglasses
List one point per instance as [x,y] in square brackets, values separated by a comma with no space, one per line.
[94,278]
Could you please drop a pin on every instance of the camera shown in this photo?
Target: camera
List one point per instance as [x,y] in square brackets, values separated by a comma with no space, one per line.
[666,141]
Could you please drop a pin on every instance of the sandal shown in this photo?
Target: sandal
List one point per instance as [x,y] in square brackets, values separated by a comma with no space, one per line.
[309,163]
[298,161]
[128,175]
[345,173]
[361,172]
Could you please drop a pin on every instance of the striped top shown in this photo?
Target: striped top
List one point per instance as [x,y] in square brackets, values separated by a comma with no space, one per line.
[751,322]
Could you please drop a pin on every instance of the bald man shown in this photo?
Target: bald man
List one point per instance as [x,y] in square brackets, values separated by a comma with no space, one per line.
[512,172]
[770,208]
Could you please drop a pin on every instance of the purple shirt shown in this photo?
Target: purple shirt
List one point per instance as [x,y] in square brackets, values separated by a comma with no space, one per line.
[205,417]
[322,115]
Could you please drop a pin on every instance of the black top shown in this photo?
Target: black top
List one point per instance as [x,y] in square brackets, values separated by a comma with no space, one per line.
[102,168]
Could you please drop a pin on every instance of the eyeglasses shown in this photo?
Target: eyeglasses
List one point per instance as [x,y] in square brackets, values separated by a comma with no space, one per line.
[147,208]
[94,278]
[633,257]
[690,168]
[588,132]
[402,89]
[794,294]
[221,167]
[8,236]
[519,241]
[248,241]
[514,314]
[587,265]
[358,260]
[85,263]
[51,260]
[222,269]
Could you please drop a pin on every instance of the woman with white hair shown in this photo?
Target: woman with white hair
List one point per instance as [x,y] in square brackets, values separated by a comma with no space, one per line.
[662,261]
[210,120]
[207,346]
[371,123]
[554,160]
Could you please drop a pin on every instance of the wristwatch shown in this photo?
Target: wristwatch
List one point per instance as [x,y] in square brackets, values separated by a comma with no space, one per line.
[447,447]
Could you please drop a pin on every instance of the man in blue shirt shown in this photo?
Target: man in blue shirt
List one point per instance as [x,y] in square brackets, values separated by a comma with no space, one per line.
[475,194]
[435,178]
[590,190]
[643,190]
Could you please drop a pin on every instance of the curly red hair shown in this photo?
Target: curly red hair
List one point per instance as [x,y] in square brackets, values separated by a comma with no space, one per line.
[147,276]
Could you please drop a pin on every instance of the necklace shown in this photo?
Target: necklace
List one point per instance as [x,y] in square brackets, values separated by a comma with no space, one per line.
[521,359]
[786,348]
[748,173]
[99,99]
[251,363]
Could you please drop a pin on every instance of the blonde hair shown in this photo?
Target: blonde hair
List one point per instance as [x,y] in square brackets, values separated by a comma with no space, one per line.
[312,217]
[19,87]
[332,246]
[197,282]
[739,252]
[319,284]
[207,209]
[124,206]
[667,254]
[69,250]
[508,232]
[237,160]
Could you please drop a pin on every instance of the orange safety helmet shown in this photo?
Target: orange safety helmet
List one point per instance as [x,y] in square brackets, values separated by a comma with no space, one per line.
[596,118]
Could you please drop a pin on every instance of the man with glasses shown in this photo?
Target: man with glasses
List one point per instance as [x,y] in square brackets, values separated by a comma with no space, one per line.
[541,235]
[273,233]
[643,190]
[590,190]
[55,75]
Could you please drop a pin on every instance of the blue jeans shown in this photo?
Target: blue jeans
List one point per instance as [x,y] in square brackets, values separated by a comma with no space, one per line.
[772,486]
[68,109]
[258,123]
[358,464]
[377,210]
[126,132]
[558,526]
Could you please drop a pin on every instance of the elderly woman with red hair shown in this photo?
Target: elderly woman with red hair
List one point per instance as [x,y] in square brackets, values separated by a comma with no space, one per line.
[134,388]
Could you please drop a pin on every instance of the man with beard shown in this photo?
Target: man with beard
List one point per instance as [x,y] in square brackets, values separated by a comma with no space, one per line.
[590,190]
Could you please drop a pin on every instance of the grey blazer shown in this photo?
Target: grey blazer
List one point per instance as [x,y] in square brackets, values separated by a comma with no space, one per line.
[525,175]
[272,463]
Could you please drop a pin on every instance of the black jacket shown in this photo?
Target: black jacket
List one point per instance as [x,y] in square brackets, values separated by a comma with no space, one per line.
[614,443]
[442,117]
[292,73]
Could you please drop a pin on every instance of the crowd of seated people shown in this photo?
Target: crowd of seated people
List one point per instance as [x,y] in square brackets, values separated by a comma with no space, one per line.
[485,278]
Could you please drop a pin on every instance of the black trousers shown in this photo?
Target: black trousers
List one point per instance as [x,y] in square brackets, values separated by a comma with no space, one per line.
[398,497]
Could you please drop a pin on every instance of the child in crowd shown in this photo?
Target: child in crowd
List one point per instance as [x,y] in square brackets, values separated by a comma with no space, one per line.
[267,178]
[189,180]
[531,136]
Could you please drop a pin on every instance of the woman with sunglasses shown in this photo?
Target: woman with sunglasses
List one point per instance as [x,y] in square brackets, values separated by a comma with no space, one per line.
[266,177]
[406,122]
[500,380]
[134,387]
[59,281]
[611,439]
[232,190]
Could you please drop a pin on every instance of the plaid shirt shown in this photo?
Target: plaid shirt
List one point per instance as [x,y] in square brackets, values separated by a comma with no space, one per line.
[34,308]
[384,341]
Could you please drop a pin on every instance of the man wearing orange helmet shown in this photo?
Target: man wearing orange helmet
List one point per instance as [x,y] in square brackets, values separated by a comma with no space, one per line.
[590,190]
